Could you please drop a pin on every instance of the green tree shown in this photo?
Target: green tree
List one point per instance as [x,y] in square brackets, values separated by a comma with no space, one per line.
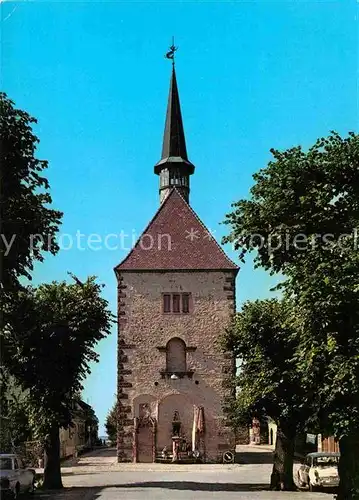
[111,424]
[49,347]
[302,221]
[14,411]
[28,225]
[264,337]
[16,406]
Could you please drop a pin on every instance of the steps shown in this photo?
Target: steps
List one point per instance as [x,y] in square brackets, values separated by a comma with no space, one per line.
[183,459]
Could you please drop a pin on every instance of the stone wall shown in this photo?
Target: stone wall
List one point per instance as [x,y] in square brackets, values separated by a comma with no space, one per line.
[144,331]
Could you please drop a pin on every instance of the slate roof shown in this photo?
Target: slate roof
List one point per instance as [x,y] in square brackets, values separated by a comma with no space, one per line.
[174,149]
[176,239]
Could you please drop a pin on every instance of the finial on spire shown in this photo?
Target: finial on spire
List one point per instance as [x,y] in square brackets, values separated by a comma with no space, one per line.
[171,53]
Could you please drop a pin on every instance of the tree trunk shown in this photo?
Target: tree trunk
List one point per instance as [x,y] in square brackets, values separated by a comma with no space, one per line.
[349,467]
[52,470]
[282,473]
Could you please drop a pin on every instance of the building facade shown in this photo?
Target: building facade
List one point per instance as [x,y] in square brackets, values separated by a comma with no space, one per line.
[327,444]
[82,434]
[176,297]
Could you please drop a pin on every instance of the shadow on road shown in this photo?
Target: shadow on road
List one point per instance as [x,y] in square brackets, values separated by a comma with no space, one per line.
[86,463]
[84,473]
[78,493]
[94,493]
[70,493]
[196,486]
[103,452]
[256,457]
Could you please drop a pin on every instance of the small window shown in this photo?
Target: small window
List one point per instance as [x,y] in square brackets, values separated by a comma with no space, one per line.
[167,303]
[176,303]
[185,303]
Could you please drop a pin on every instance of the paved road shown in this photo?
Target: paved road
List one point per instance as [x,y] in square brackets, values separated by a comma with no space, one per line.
[98,477]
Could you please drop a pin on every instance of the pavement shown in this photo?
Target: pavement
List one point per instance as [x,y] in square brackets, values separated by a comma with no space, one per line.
[98,476]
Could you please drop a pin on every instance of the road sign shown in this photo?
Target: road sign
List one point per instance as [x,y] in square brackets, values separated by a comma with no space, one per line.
[228,457]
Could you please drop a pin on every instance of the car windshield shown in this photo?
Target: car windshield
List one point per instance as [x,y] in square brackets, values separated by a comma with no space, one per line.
[326,461]
[5,463]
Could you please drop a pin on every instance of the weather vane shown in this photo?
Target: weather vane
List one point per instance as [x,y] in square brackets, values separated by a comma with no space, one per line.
[171,53]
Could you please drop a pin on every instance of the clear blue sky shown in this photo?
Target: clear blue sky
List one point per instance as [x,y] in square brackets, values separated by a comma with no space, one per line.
[251,75]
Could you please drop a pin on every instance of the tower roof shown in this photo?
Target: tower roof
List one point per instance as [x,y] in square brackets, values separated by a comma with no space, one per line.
[176,239]
[174,143]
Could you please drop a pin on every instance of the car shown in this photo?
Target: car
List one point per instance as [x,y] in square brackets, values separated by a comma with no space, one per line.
[319,470]
[15,478]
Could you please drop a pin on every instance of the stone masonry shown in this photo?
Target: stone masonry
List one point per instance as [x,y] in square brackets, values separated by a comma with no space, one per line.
[144,331]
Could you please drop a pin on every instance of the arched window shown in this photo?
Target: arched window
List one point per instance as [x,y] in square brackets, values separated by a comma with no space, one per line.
[176,356]
[164,177]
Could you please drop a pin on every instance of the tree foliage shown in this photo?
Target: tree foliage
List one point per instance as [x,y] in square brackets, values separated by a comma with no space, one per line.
[48,334]
[302,221]
[14,408]
[28,225]
[264,337]
[111,424]
[49,348]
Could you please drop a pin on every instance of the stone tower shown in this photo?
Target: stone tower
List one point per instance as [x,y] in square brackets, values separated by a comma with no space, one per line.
[176,296]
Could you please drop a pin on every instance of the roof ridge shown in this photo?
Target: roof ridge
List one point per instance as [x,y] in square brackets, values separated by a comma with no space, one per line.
[208,255]
[146,228]
[204,227]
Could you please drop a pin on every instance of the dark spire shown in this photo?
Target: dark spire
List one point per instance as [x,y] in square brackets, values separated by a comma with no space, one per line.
[174,144]
[174,169]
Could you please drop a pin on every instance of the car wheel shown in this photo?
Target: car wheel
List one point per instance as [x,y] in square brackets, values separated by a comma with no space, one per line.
[16,492]
[313,487]
[32,487]
[299,480]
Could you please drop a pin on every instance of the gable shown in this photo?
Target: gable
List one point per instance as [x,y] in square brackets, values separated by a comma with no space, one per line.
[176,239]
